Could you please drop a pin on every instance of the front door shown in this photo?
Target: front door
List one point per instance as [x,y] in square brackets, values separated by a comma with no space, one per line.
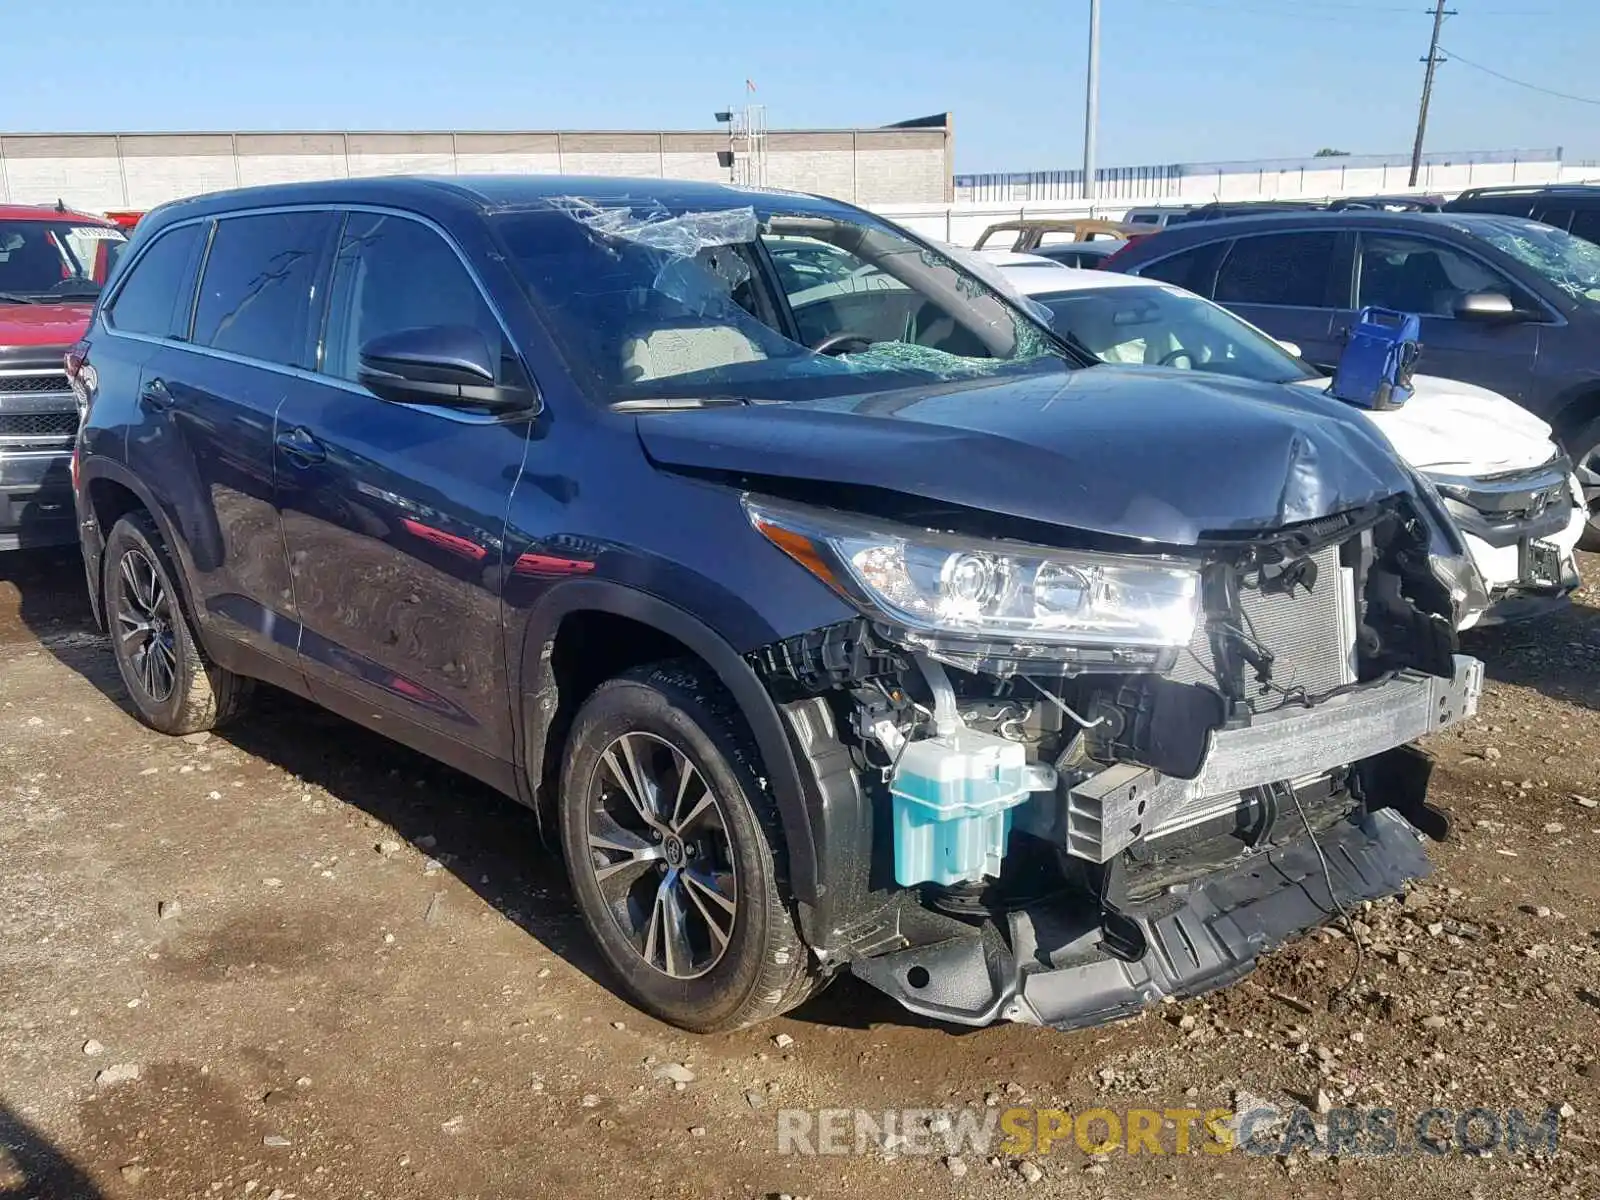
[1420,275]
[393,514]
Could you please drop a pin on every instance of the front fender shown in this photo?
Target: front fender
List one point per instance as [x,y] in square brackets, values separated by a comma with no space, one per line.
[92,538]
[537,699]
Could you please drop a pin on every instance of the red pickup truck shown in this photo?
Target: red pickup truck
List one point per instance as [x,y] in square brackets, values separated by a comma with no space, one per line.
[53,263]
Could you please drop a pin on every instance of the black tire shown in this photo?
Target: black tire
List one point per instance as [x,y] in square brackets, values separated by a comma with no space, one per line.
[174,688]
[1583,448]
[763,967]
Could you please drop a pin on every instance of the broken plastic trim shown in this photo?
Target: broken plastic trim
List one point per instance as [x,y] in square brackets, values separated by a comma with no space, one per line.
[682,235]
[701,282]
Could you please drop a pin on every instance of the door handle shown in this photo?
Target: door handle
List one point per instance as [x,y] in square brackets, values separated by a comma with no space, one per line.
[155,393]
[300,447]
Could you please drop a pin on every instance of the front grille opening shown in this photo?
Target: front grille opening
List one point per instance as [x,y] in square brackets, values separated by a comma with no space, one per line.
[42,425]
[46,381]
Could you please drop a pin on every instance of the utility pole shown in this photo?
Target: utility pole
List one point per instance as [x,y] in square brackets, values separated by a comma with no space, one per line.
[1432,60]
[1091,107]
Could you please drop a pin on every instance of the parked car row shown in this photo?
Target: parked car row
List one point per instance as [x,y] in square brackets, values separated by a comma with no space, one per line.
[1509,487]
[1507,303]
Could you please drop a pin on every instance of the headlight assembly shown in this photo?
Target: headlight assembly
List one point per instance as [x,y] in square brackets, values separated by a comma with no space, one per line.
[969,600]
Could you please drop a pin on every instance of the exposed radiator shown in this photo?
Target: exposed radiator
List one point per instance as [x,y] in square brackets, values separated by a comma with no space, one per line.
[1311,635]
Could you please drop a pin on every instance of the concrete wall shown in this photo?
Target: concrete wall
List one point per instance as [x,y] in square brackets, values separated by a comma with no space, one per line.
[98,172]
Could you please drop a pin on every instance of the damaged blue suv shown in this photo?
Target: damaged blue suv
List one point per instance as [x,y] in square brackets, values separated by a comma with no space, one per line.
[829,612]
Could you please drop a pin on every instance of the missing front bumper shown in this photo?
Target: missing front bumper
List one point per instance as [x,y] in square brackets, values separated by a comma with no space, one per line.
[1112,810]
[1050,967]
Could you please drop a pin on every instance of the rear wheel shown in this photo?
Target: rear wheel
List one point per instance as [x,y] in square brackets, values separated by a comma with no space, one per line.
[672,843]
[1583,447]
[172,686]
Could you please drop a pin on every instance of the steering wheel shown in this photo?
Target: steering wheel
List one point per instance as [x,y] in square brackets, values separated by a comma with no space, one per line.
[1171,358]
[74,284]
[836,343]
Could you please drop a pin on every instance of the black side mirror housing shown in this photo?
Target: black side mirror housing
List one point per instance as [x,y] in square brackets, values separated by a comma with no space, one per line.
[448,365]
[1488,306]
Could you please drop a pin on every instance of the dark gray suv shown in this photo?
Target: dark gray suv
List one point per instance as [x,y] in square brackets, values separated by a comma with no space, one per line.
[1506,303]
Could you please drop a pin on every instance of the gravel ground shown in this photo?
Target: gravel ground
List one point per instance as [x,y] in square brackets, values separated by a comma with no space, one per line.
[296,960]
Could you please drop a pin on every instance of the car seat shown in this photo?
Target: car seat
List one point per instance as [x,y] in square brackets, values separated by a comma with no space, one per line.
[33,266]
[684,349]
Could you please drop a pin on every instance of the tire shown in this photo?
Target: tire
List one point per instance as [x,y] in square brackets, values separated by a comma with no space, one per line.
[674,722]
[1583,448]
[173,687]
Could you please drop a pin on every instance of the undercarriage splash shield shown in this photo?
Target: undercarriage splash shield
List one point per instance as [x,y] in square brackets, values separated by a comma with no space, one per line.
[1206,937]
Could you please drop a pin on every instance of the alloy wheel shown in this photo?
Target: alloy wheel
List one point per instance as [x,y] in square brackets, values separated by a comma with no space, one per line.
[144,621]
[660,853]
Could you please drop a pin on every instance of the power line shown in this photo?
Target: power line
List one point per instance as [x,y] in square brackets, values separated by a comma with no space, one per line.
[1522,83]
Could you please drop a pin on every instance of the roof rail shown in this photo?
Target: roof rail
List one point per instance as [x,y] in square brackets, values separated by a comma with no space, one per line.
[1514,189]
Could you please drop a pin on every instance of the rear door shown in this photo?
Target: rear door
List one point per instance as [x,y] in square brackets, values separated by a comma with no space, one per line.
[1586,223]
[1289,285]
[1558,214]
[209,399]
[394,513]
[1419,274]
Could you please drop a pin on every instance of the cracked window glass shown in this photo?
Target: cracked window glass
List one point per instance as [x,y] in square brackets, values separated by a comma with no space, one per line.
[759,303]
[1571,263]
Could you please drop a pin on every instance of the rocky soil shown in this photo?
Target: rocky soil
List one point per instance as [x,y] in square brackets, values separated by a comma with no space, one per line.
[295,960]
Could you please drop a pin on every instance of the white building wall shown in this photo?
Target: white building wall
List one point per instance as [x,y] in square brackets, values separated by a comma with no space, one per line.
[289,157]
[508,153]
[157,167]
[86,172]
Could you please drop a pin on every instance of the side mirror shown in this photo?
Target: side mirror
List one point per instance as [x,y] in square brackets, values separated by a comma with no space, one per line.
[449,365]
[1487,306]
[1291,348]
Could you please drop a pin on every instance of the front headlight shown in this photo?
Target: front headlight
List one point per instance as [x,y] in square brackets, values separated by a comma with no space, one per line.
[993,599]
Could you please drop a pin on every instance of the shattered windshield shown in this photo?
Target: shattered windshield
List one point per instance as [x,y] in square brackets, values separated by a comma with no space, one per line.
[758,303]
[1571,263]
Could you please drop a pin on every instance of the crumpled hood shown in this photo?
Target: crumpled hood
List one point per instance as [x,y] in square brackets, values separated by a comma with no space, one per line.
[1448,425]
[1157,455]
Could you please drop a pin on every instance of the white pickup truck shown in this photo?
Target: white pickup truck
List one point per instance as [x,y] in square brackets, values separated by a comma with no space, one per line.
[1496,466]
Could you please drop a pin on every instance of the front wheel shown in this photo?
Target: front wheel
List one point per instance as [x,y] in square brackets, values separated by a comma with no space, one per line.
[172,686]
[672,843]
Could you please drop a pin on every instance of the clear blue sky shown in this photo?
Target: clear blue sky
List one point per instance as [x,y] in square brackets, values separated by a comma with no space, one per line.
[1182,80]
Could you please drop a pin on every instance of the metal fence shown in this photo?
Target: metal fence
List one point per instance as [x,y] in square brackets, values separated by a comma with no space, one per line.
[1329,175]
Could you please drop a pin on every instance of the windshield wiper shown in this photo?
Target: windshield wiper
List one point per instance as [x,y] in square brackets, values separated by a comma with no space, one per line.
[1071,339]
[676,403]
[20,298]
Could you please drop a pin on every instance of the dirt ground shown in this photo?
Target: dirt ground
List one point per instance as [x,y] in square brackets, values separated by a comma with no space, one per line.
[295,960]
